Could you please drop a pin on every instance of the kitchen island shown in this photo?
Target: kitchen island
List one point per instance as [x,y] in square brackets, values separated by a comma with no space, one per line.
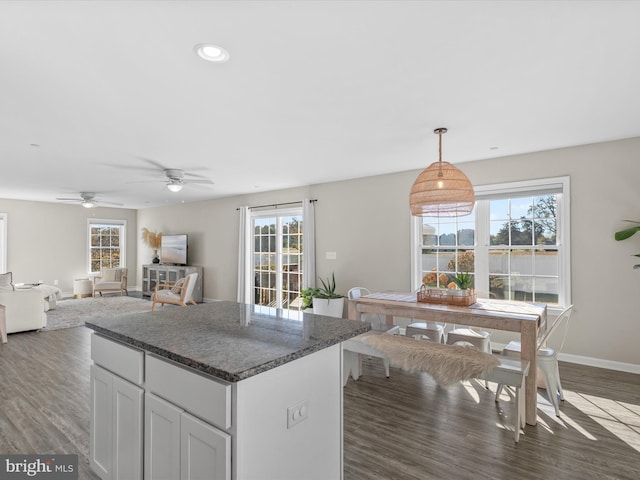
[219,390]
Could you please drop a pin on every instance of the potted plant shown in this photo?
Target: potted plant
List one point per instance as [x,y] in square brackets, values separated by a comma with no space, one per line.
[307,295]
[629,232]
[326,301]
[464,294]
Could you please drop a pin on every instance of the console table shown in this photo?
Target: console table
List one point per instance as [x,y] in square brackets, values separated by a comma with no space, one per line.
[154,274]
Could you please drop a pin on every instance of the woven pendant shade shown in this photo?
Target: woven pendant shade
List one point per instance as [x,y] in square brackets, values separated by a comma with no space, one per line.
[441,190]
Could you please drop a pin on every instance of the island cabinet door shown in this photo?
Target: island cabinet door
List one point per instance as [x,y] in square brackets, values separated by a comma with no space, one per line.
[101,442]
[162,439]
[116,427]
[127,430]
[205,451]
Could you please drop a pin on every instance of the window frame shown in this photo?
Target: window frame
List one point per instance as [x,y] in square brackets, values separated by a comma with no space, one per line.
[122,225]
[484,193]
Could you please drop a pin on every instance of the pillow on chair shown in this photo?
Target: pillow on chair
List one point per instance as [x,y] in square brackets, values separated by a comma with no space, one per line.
[6,282]
[176,287]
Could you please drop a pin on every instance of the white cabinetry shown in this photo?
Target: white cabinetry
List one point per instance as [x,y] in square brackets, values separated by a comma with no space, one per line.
[116,416]
[180,446]
[284,423]
[155,274]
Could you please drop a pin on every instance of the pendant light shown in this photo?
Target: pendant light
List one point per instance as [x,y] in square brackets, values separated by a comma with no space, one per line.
[441,190]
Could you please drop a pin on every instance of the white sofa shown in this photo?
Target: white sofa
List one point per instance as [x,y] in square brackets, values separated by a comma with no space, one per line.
[25,310]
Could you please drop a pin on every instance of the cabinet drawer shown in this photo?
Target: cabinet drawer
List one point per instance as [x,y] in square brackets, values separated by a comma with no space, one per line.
[126,362]
[202,396]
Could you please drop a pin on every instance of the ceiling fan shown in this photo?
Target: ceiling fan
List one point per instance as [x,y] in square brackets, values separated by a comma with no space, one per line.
[175,177]
[87,200]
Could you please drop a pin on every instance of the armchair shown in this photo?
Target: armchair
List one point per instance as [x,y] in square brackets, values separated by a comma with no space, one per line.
[24,310]
[111,280]
[179,293]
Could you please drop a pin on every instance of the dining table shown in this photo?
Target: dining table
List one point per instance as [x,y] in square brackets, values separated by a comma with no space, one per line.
[529,319]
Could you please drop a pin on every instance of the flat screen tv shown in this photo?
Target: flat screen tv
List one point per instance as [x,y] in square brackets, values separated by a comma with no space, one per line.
[173,249]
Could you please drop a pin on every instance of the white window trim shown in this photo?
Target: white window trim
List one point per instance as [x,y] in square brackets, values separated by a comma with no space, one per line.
[123,240]
[563,234]
[3,242]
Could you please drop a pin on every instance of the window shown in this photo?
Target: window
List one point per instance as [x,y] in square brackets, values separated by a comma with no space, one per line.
[277,257]
[106,244]
[515,243]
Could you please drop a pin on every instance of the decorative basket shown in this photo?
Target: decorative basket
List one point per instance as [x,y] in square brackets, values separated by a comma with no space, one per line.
[446,296]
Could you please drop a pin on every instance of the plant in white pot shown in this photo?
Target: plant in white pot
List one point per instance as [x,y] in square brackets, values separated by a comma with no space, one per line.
[326,301]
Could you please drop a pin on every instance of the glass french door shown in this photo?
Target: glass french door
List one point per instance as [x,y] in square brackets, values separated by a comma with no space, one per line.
[277,258]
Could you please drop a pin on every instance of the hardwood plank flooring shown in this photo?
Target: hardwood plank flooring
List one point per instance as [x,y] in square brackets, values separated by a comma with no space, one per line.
[404,427]
[407,427]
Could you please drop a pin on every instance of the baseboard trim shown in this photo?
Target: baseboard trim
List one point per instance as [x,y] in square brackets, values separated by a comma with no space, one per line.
[600,363]
[588,361]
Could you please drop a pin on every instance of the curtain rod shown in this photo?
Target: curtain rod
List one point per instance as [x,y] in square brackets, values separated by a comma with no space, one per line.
[276,205]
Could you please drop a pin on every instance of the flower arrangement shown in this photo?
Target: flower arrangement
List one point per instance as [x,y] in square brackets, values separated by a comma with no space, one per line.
[152,240]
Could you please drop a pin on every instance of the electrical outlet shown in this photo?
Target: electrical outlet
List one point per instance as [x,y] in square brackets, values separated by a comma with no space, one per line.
[297,413]
[55,282]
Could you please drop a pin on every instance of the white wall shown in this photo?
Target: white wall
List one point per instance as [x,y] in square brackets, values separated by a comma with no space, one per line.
[367,223]
[49,241]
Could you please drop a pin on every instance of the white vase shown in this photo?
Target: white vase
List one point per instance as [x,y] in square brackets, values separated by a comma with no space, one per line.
[331,307]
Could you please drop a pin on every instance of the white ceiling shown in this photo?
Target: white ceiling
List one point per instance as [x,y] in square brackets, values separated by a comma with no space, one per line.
[315,91]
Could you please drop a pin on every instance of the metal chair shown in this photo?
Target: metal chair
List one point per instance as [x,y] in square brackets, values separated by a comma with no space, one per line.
[547,359]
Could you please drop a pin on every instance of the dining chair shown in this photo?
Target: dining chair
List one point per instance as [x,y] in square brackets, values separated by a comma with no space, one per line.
[480,339]
[546,358]
[377,321]
[179,293]
[353,348]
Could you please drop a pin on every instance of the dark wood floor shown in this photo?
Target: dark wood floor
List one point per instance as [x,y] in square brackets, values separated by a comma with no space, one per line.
[404,427]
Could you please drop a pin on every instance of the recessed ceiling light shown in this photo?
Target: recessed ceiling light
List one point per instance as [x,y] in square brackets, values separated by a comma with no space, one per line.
[211,52]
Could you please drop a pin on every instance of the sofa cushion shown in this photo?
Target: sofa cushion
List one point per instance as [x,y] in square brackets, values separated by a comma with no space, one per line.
[6,282]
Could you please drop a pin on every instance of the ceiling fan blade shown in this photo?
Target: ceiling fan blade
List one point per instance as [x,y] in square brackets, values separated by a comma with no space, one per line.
[150,161]
[201,182]
[70,199]
[146,181]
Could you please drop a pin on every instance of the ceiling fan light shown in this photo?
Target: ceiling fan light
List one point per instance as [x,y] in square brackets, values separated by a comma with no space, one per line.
[87,204]
[174,187]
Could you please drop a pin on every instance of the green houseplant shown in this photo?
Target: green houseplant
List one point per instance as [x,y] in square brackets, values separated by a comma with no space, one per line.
[326,301]
[463,280]
[629,232]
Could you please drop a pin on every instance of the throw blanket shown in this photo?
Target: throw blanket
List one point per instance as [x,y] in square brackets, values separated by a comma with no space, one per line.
[447,364]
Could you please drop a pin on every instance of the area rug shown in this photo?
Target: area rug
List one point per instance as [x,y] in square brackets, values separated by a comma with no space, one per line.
[74,312]
[447,364]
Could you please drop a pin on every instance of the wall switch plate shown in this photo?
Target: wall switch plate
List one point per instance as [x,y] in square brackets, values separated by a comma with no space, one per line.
[331,255]
[297,413]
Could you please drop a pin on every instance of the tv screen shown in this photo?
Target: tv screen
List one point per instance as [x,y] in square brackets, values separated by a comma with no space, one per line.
[173,249]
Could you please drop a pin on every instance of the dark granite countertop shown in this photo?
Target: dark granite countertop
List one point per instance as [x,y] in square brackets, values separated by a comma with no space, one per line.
[228,340]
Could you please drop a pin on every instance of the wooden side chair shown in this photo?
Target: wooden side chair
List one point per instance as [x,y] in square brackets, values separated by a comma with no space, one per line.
[179,293]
